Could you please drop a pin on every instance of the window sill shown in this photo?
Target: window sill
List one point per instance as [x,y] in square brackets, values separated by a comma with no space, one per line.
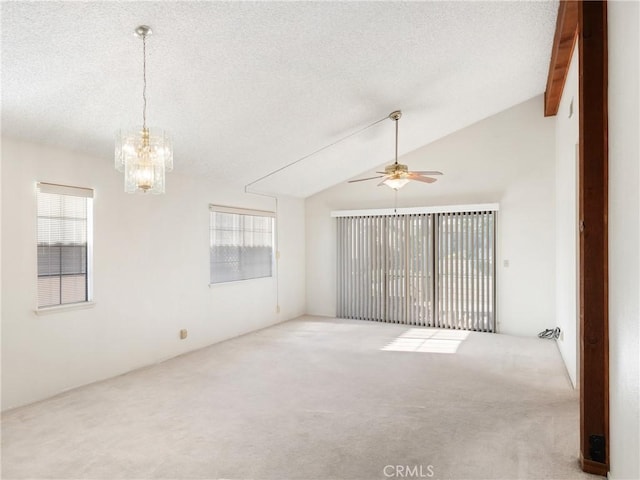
[236,282]
[64,308]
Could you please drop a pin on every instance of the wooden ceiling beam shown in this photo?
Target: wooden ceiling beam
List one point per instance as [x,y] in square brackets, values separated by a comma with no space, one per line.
[564,42]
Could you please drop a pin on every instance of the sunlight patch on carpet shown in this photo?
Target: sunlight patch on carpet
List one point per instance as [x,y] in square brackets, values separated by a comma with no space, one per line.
[427,340]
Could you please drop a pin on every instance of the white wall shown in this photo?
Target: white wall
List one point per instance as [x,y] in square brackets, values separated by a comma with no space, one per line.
[151,275]
[566,242]
[509,159]
[624,239]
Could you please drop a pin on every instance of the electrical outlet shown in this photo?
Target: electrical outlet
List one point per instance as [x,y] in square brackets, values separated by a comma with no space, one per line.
[183,334]
[505,263]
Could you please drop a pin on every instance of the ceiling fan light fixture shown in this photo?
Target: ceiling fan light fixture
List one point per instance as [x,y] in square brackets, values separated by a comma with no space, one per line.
[144,154]
[396,183]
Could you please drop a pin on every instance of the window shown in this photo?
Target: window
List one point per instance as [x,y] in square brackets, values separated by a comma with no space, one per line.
[241,244]
[64,244]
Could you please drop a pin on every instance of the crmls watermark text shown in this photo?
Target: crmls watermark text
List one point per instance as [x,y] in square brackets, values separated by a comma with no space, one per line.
[408,471]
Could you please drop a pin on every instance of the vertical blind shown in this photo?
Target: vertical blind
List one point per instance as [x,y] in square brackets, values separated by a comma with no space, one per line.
[241,244]
[64,215]
[433,269]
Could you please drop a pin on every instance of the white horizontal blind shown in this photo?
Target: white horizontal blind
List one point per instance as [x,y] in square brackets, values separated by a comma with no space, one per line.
[418,269]
[63,244]
[241,244]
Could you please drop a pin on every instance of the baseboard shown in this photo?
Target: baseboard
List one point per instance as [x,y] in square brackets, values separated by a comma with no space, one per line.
[574,384]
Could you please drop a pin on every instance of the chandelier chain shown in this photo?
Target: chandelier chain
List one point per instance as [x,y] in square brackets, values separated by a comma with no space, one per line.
[144,82]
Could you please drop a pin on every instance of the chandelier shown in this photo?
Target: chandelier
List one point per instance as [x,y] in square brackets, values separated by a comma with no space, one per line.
[144,154]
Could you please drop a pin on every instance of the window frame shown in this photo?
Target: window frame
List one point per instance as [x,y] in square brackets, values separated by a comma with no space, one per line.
[88,195]
[213,208]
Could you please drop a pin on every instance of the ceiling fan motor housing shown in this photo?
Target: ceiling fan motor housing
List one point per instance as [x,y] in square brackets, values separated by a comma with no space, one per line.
[396,169]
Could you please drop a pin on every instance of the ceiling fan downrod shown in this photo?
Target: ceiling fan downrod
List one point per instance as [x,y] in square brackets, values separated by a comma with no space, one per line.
[395,116]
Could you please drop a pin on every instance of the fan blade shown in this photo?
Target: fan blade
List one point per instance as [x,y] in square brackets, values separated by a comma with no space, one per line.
[420,178]
[363,179]
[427,173]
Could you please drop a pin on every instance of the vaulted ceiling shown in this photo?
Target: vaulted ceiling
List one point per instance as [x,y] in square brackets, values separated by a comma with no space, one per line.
[247,87]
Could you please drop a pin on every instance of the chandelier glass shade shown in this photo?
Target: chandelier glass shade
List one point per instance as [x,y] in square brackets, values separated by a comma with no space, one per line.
[144,154]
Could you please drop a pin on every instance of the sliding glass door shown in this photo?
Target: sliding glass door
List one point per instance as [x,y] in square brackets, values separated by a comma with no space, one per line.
[435,269]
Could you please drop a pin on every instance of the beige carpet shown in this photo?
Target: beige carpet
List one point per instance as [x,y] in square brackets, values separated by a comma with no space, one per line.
[315,399]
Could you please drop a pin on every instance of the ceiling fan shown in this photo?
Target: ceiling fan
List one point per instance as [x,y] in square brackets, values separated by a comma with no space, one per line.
[398,175]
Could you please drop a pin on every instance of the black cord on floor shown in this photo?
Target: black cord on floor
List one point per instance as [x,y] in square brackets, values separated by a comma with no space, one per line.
[550,334]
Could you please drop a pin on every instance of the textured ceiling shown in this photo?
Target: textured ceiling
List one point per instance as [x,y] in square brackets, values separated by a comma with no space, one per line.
[246,87]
